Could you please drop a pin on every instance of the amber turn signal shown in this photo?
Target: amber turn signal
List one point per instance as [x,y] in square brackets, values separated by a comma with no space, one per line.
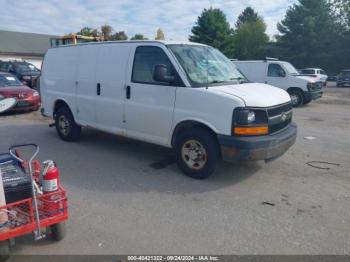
[250,131]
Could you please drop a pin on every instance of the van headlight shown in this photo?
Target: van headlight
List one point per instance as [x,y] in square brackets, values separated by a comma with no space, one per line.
[251,117]
[310,86]
[35,93]
[249,122]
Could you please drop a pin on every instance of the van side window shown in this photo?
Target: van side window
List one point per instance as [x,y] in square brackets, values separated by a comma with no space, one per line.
[146,58]
[275,70]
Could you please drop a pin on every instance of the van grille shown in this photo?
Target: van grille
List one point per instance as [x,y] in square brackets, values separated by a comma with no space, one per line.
[279,117]
[279,126]
[274,111]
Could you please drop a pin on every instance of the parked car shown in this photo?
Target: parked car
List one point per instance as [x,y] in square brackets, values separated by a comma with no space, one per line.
[27,98]
[184,96]
[343,78]
[24,71]
[317,73]
[332,77]
[302,89]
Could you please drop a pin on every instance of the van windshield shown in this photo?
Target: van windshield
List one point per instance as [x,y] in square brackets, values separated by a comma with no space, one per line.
[290,68]
[206,66]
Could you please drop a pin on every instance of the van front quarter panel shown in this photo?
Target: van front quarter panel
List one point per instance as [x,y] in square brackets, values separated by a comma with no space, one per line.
[207,107]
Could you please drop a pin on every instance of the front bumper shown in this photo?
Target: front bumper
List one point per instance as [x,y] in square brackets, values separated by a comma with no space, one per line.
[313,95]
[32,103]
[343,82]
[257,148]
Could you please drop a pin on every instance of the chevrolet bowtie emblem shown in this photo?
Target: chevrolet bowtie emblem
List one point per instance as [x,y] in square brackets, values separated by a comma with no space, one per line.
[284,117]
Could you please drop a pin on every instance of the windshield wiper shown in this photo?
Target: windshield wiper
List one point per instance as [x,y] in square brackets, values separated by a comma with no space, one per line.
[240,80]
[216,82]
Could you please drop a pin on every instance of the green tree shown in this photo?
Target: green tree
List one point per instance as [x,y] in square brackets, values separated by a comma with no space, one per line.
[212,28]
[248,15]
[250,40]
[308,34]
[160,35]
[86,31]
[106,32]
[120,36]
[341,10]
[138,37]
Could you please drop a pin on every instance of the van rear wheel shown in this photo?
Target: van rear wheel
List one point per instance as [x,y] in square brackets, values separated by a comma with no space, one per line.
[197,153]
[66,127]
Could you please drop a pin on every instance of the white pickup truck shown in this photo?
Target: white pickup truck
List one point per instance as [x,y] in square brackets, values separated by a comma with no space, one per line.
[185,96]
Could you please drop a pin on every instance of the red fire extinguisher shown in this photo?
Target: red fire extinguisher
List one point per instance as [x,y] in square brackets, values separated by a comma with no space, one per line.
[51,177]
[50,184]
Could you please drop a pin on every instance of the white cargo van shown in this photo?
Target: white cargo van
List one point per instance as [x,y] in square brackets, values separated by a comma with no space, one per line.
[185,96]
[302,89]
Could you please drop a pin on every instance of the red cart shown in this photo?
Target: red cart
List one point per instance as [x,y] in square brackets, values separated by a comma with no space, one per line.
[42,210]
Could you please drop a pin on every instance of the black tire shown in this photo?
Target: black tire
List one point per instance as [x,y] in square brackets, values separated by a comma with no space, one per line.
[207,158]
[58,231]
[66,127]
[307,101]
[4,250]
[339,85]
[297,97]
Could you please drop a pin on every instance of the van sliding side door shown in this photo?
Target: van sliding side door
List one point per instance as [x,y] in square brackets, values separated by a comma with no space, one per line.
[111,71]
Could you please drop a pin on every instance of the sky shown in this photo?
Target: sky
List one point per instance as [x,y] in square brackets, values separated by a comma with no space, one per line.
[174,17]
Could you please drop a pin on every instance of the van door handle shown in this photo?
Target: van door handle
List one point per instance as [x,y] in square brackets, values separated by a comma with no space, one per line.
[128,91]
[98,89]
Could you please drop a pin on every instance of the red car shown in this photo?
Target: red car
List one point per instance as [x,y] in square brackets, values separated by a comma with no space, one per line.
[27,98]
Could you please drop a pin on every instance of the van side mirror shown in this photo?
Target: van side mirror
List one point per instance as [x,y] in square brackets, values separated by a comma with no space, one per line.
[160,74]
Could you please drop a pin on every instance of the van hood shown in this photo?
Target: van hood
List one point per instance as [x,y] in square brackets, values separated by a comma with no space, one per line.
[255,94]
[309,79]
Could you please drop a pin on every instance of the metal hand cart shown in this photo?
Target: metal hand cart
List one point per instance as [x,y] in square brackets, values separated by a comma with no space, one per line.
[33,214]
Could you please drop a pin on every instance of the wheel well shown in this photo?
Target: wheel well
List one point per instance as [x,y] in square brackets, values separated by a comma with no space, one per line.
[185,125]
[59,104]
[295,89]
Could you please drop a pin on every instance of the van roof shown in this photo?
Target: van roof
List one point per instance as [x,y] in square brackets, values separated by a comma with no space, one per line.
[134,41]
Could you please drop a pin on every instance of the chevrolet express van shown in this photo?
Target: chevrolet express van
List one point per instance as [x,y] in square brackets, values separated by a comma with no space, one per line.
[185,96]
[302,89]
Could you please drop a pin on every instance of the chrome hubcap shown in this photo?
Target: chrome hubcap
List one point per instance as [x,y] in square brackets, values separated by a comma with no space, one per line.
[294,98]
[63,125]
[194,154]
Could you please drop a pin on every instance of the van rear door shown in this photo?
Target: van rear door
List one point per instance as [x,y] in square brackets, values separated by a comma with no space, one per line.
[149,104]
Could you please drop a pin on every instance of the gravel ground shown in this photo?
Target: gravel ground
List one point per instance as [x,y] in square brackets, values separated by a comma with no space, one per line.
[128,197]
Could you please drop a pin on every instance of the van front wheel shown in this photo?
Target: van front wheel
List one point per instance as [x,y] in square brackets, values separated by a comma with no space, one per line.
[197,153]
[296,97]
[66,127]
